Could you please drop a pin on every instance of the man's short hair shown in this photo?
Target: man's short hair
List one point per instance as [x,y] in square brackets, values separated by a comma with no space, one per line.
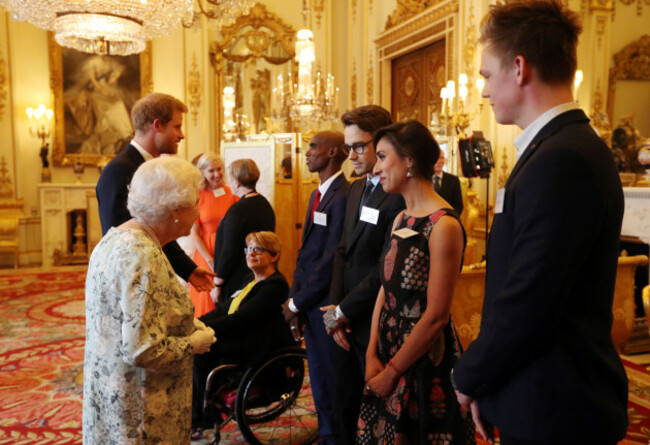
[544,32]
[155,106]
[368,118]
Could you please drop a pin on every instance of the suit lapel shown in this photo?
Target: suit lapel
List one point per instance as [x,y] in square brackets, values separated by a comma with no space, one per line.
[549,130]
[324,202]
[377,197]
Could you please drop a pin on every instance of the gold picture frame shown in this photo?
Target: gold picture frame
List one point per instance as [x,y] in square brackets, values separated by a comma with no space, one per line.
[93,96]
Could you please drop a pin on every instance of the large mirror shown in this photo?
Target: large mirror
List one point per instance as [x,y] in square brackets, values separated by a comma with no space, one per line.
[254,52]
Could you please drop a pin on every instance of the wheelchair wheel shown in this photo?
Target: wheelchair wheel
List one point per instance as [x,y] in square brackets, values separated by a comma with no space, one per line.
[274,401]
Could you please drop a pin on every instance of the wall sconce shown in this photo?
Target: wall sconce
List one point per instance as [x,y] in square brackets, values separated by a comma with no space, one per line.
[453,112]
[480,84]
[576,84]
[39,126]
[39,122]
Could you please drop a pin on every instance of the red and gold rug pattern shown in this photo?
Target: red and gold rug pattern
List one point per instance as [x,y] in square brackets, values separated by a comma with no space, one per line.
[41,363]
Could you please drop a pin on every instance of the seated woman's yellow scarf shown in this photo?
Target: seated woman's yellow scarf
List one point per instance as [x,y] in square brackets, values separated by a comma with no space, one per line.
[236,301]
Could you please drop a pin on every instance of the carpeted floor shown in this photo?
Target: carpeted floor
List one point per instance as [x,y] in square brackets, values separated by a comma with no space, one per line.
[41,362]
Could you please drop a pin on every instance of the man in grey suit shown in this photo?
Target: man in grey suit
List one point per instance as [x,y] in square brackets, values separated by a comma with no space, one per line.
[543,369]
[158,121]
[369,216]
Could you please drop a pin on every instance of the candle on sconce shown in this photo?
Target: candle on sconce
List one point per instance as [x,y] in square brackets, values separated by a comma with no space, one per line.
[443,96]
[451,93]
[576,83]
[462,88]
[480,83]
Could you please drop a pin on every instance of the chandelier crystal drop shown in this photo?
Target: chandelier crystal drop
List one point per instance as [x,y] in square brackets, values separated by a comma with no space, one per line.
[111,27]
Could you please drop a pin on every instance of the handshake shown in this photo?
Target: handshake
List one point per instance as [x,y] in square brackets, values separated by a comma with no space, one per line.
[202,337]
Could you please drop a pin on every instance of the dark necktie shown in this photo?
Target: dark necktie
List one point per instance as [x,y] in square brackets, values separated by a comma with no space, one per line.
[315,204]
[436,184]
[367,191]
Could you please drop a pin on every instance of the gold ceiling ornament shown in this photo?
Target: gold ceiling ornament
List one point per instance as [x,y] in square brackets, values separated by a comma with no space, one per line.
[407,9]
[194,89]
[108,27]
[4,83]
[222,12]
[631,63]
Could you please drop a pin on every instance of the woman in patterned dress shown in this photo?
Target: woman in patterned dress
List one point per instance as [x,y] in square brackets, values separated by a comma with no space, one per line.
[141,333]
[413,346]
[215,198]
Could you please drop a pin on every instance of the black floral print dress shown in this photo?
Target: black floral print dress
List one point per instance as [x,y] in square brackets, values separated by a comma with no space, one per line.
[423,405]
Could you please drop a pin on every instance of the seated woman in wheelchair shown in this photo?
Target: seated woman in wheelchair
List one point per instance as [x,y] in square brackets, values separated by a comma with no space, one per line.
[249,325]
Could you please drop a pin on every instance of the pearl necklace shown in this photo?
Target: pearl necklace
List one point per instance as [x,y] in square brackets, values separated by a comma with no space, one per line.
[148,231]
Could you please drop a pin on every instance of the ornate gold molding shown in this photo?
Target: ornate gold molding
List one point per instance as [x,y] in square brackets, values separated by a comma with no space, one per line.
[318,6]
[370,86]
[601,5]
[639,4]
[631,63]
[470,46]
[257,41]
[505,170]
[601,26]
[353,85]
[353,5]
[408,27]
[599,119]
[4,83]
[194,89]
[6,184]
[407,9]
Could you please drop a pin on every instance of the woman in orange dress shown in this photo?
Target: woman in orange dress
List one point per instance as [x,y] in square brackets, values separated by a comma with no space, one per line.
[214,201]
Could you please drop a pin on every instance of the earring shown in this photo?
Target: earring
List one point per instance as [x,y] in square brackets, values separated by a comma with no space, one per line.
[409,173]
[175,221]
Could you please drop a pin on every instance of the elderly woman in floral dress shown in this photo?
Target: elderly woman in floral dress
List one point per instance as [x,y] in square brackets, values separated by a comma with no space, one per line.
[141,333]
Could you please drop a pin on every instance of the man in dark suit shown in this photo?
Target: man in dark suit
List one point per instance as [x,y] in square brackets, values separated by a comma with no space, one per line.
[369,216]
[158,121]
[447,185]
[543,368]
[311,280]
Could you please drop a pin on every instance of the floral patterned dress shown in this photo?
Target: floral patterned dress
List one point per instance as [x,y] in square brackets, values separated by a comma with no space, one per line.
[423,405]
[138,358]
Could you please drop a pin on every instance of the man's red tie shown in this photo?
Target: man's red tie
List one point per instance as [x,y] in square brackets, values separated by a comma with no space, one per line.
[315,205]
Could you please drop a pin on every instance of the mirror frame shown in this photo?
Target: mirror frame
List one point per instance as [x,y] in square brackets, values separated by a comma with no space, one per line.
[258,18]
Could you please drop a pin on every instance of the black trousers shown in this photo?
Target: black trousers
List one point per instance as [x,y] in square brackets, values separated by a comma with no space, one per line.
[350,367]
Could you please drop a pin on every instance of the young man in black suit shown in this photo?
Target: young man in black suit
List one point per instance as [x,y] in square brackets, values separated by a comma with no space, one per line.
[447,185]
[543,368]
[313,274]
[369,216]
[158,121]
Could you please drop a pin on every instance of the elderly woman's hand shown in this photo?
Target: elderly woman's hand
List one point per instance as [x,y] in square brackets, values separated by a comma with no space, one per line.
[198,324]
[202,339]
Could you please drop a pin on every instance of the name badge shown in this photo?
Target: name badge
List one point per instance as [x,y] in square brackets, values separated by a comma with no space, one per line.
[405,233]
[369,215]
[218,192]
[320,218]
[501,197]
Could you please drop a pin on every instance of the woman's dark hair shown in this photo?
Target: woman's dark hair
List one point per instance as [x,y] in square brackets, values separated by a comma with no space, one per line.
[412,139]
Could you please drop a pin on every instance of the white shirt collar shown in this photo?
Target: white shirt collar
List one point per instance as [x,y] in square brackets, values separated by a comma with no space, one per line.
[373,179]
[326,185]
[526,137]
[145,154]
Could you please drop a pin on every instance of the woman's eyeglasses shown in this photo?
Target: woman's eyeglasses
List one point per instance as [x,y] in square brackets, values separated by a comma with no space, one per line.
[257,250]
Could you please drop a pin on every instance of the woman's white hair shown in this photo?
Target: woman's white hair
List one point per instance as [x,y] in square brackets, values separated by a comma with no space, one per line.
[162,185]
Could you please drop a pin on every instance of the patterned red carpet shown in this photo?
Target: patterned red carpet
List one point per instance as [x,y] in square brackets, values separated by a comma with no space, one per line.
[41,363]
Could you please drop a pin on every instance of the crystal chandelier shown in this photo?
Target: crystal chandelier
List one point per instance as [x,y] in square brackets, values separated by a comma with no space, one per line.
[225,12]
[110,27]
[306,100]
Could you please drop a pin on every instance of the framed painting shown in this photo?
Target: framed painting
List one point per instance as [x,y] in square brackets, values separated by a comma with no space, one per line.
[93,97]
